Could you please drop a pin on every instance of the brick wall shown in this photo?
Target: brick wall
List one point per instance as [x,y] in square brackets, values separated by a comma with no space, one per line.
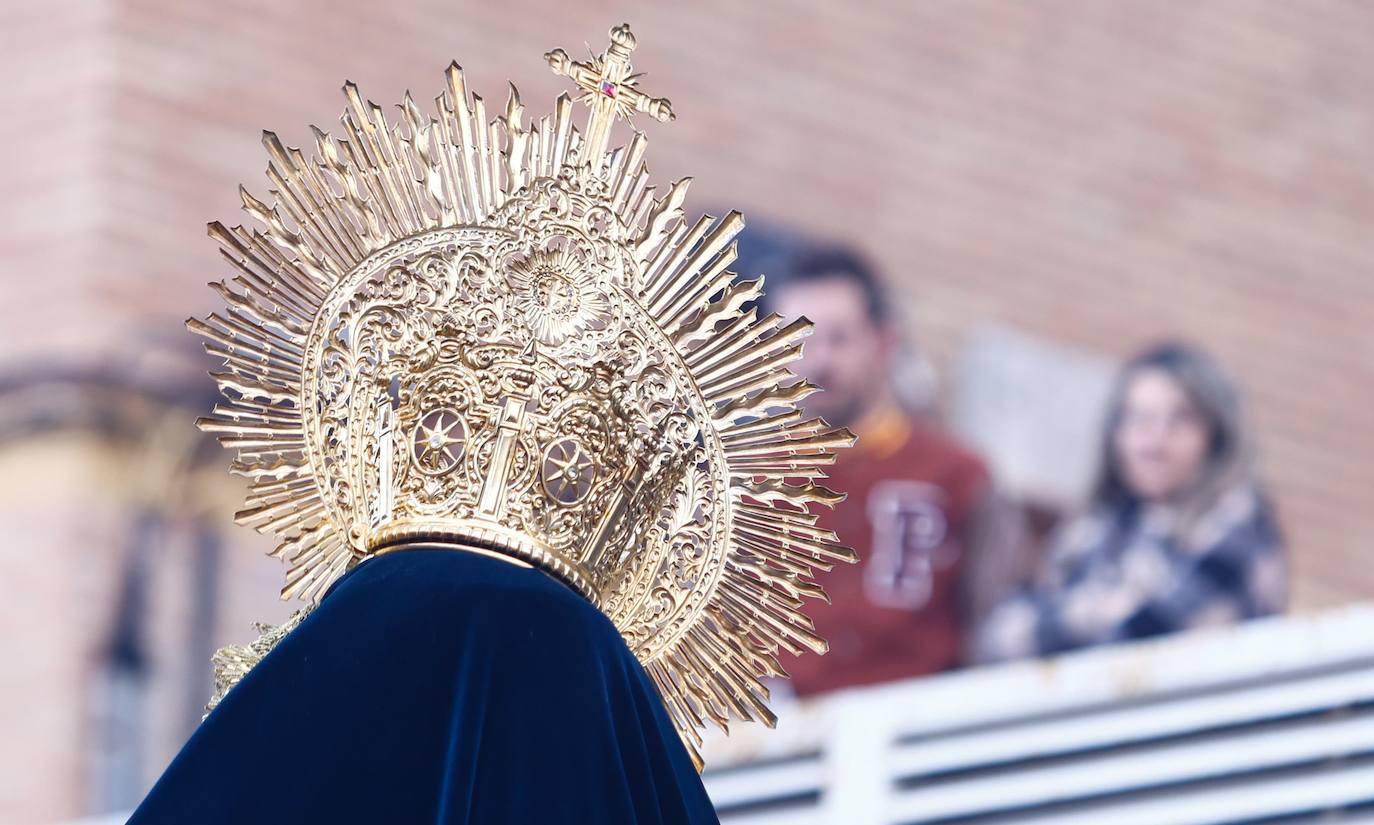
[1099,174]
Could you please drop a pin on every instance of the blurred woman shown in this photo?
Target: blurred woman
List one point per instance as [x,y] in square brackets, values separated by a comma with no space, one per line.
[1178,533]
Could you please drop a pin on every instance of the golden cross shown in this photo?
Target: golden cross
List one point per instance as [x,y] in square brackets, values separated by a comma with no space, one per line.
[608,88]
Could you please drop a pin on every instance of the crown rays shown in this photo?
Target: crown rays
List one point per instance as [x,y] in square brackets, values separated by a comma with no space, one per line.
[377,183]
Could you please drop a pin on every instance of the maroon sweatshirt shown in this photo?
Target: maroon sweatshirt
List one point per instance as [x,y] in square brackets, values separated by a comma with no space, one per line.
[898,613]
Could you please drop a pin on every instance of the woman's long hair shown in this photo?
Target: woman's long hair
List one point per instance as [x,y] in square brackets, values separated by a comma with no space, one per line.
[1230,461]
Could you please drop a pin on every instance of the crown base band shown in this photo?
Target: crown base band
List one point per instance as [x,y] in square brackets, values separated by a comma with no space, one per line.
[483,538]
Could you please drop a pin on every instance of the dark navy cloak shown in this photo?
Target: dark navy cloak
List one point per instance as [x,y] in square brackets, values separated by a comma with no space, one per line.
[438,687]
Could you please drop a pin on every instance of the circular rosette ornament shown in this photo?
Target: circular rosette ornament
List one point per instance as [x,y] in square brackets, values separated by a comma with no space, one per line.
[568,472]
[557,295]
[438,441]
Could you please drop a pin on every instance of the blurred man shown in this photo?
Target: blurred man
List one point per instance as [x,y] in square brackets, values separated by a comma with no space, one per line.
[911,490]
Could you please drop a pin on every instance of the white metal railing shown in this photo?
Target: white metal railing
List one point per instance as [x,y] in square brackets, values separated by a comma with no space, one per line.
[1267,722]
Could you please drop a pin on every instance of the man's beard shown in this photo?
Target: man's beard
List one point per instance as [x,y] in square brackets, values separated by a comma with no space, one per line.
[837,412]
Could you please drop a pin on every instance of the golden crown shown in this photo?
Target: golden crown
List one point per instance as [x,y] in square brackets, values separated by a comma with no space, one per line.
[492,335]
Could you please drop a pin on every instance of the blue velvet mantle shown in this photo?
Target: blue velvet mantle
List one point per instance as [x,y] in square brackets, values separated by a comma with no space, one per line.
[438,687]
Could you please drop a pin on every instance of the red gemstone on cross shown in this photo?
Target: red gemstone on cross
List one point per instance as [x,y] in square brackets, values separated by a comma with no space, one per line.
[608,88]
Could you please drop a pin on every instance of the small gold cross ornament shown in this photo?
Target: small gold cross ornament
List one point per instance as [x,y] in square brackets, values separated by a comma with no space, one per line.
[609,89]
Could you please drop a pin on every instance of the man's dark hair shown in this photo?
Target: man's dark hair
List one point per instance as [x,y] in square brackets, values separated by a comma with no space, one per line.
[786,257]
[809,265]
